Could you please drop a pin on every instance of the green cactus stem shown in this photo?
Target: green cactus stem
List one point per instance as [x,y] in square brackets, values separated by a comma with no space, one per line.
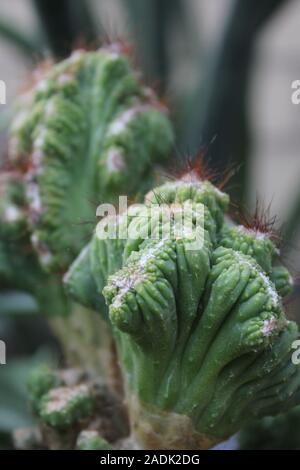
[64,406]
[278,433]
[204,343]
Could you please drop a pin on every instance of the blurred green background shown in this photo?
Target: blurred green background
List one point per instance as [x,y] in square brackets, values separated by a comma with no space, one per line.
[224,66]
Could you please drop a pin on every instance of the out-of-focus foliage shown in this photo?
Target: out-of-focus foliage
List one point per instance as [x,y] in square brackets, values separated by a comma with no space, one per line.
[281,432]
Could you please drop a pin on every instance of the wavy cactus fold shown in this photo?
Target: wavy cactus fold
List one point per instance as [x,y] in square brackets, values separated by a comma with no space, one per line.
[202,334]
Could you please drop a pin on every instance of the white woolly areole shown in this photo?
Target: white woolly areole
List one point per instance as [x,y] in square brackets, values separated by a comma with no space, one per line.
[269,326]
[266,281]
[33,197]
[129,281]
[191,177]
[119,125]
[257,233]
[151,253]
[61,397]
[271,291]
[121,122]
[64,78]
[125,284]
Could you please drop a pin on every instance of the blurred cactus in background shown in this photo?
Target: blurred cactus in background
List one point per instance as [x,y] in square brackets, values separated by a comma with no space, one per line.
[76,137]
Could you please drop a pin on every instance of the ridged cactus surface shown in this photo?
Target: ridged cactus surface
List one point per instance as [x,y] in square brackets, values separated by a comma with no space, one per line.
[204,342]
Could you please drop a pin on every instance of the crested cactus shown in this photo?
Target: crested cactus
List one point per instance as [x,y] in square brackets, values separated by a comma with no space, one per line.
[204,342]
[80,132]
[192,301]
